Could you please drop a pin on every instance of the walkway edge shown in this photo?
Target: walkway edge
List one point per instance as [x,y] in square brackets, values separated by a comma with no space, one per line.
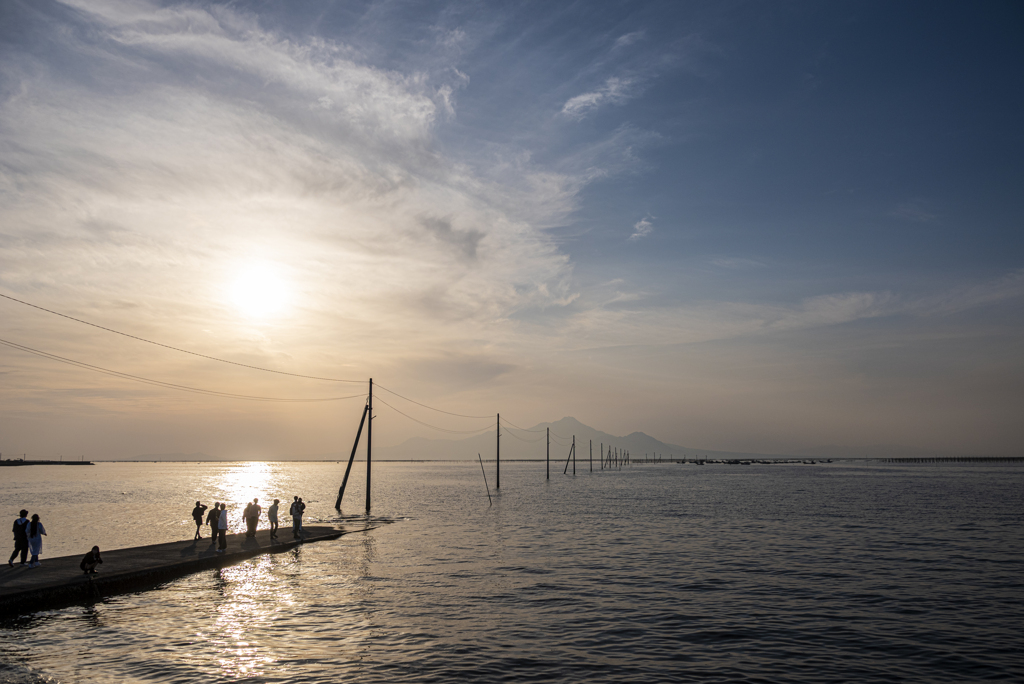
[83,590]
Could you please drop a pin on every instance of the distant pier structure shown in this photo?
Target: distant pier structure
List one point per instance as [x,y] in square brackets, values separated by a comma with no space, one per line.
[954,459]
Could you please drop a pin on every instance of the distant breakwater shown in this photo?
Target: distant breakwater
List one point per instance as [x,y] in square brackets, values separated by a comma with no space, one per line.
[22,462]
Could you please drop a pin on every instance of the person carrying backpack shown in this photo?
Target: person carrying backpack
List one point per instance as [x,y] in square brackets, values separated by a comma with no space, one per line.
[20,530]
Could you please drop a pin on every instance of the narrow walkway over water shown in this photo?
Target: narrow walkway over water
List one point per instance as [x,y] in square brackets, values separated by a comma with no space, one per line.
[60,581]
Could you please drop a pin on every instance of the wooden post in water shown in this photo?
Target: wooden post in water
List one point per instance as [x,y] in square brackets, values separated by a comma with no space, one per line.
[591,455]
[351,458]
[369,445]
[497,466]
[547,456]
[480,458]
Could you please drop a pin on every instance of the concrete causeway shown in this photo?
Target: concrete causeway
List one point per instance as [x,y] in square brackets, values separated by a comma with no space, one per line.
[59,581]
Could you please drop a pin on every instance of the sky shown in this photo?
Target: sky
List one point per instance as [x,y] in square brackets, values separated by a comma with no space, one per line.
[740,226]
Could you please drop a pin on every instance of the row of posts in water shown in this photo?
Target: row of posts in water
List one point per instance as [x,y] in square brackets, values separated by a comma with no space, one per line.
[612,459]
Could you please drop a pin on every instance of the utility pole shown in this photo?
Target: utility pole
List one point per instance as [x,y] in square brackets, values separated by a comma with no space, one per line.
[497,484]
[369,444]
[591,455]
[547,457]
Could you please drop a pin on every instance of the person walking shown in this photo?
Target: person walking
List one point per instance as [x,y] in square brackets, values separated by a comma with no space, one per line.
[222,529]
[197,515]
[20,530]
[90,561]
[212,517]
[36,532]
[252,520]
[272,518]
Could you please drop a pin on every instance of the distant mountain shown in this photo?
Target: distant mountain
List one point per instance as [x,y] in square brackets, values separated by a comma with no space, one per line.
[531,443]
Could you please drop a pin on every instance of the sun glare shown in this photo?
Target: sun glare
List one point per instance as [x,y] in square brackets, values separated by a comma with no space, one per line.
[259,292]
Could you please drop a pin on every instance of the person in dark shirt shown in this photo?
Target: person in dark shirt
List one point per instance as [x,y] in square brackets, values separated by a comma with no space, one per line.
[212,517]
[197,515]
[90,561]
[272,518]
[20,530]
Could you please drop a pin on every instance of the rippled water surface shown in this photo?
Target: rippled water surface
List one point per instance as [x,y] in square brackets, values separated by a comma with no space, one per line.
[839,572]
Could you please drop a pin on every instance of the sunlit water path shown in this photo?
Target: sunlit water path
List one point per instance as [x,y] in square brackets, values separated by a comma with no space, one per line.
[654,573]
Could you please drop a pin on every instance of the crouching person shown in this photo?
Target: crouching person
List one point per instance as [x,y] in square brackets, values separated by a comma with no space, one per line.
[90,561]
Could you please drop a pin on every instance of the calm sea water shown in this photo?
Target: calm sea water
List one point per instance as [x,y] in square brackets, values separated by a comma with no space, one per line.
[840,572]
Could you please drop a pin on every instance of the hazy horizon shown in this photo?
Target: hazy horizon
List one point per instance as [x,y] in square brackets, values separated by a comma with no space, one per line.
[736,227]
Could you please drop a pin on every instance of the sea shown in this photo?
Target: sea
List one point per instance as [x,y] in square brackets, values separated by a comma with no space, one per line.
[831,572]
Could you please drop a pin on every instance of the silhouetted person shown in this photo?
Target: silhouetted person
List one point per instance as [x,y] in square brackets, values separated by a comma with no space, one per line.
[20,529]
[272,518]
[90,561]
[197,515]
[212,517]
[302,511]
[36,532]
[252,517]
[296,512]
[222,529]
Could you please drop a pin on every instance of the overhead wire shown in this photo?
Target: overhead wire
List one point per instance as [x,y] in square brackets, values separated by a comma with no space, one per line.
[177,349]
[161,383]
[511,424]
[234,363]
[460,415]
[522,439]
[434,427]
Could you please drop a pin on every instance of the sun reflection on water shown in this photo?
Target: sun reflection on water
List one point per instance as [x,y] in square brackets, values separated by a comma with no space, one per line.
[244,482]
[252,596]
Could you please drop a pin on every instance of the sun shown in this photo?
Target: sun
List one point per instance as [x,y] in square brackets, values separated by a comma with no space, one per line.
[259,292]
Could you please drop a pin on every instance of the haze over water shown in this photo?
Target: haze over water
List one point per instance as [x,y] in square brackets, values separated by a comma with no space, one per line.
[842,572]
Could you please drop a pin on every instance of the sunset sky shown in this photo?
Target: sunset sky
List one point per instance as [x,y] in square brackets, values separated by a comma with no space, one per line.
[739,226]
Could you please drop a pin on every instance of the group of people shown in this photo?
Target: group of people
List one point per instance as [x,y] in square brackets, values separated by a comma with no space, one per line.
[28,536]
[217,519]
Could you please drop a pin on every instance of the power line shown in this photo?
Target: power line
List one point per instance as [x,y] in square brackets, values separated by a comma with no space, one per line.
[460,415]
[167,346]
[522,439]
[441,429]
[511,424]
[161,383]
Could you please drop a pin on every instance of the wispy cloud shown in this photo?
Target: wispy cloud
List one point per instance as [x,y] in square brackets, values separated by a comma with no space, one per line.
[616,90]
[628,39]
[642,228]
